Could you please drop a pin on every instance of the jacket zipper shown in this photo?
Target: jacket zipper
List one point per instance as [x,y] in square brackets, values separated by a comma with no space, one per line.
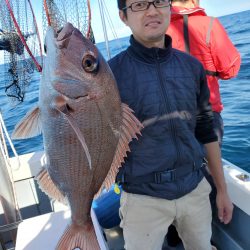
[166,104]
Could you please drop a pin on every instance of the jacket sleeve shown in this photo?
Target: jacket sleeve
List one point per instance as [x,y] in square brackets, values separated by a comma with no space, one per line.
[226,58]
[204,130]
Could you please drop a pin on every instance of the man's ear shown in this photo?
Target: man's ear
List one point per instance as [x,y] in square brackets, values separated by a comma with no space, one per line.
[123,16]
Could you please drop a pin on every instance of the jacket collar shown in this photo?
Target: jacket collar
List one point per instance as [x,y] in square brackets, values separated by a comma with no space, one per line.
[150,55]
[178,12]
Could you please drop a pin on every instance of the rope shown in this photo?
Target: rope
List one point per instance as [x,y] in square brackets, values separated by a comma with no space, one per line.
[100,2]
[3,146]
[4,152]
[110,21]
[111,25]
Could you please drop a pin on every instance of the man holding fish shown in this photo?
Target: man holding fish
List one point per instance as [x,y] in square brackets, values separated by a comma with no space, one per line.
[162,177]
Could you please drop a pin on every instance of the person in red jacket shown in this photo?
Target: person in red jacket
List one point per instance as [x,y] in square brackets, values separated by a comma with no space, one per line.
[205,38]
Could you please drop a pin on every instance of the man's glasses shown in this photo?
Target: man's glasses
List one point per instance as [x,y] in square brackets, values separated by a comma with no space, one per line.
[144,5]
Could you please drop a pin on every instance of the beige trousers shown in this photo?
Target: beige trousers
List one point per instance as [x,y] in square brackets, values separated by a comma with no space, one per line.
[145,219]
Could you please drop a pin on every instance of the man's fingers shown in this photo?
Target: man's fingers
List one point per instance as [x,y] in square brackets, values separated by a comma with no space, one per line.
[228,214]
[220,214]
[225,215]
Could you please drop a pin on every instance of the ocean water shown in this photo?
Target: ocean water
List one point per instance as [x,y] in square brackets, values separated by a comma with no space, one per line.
[235,95]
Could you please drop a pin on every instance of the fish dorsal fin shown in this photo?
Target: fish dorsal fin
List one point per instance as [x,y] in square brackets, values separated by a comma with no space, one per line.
[29,126]
[49,187]
[130,127]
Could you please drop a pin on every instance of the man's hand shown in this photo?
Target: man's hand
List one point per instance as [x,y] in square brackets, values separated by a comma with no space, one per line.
[224,204]
[225,207]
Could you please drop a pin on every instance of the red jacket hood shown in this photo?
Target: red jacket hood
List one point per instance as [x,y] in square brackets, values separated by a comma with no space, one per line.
[178,12]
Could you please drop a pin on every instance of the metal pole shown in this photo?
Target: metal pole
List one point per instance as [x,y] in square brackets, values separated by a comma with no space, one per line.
[104,27]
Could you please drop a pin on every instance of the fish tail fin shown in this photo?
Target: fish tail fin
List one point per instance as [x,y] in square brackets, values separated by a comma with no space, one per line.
[78,237]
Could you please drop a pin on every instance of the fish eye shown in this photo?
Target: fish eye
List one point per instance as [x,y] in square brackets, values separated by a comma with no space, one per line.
[89,63]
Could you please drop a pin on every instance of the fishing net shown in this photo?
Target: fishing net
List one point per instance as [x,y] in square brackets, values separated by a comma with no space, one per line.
[77,12]
[21,45]
[20,41]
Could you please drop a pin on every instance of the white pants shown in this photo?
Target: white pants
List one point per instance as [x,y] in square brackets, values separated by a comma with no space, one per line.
[145,219]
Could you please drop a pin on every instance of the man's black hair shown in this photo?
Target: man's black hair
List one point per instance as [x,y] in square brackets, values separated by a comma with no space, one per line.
[121,4]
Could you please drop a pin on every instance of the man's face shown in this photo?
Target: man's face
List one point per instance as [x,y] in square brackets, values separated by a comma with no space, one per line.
[148,26]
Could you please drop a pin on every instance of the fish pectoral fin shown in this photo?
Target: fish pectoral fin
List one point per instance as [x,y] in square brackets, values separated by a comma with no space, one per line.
[49,187]
[29,126]
[65,111]
[130,127]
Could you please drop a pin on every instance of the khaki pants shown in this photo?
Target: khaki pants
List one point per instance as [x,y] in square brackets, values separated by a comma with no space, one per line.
[145,219]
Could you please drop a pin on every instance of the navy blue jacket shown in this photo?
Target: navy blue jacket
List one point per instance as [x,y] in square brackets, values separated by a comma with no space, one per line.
[168,92]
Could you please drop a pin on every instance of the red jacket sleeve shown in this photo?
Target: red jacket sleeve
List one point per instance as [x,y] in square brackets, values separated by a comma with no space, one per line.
[226,58]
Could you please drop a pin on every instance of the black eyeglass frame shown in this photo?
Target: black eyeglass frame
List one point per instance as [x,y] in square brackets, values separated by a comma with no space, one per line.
[149,3]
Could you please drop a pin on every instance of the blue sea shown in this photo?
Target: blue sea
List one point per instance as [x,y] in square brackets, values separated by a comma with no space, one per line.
[235,96]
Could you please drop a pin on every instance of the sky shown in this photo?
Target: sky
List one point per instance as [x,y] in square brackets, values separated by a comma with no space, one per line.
[213,7]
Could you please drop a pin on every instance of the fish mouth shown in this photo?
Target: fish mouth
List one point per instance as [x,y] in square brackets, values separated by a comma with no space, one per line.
[65,32]
[63,35]
[60,38]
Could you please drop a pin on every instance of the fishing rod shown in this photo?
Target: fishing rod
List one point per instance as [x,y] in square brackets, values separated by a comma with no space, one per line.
[101,8]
